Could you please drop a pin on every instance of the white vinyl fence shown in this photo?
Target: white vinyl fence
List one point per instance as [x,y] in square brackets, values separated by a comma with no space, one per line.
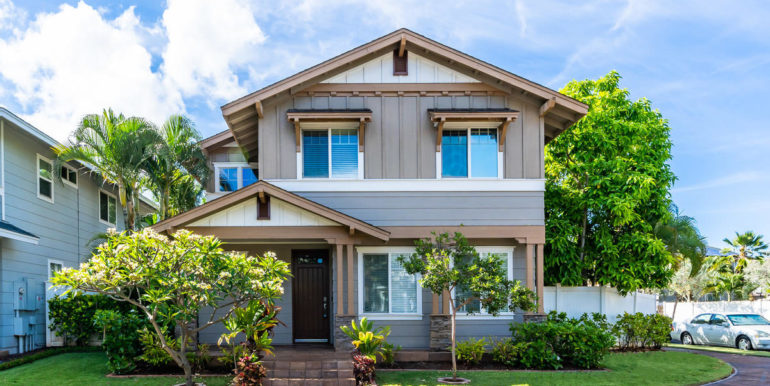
[578,300]
[685,311]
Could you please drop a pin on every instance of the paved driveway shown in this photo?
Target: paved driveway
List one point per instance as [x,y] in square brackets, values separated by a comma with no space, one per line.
[750,370]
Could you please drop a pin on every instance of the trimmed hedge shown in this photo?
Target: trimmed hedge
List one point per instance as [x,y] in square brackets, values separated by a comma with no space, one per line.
[45,354]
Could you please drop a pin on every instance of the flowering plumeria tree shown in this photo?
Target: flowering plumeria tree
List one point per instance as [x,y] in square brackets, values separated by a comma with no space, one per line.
[171,279]
[449,264]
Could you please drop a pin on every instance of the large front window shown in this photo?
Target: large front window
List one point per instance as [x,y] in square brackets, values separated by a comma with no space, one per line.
[386,288]
[469,153]
[504,255]
[330,153]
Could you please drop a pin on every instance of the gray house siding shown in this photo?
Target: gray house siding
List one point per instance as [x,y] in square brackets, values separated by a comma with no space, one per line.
[436,208]
[64,228]
[400,141]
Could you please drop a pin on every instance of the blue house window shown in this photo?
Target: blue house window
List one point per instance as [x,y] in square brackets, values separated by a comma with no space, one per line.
[469,153]
[231,177]
[330,153]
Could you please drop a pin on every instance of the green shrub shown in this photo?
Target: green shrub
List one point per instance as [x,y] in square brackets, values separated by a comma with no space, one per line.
[639,331]
[388,353]
[471,350]
[537,355]
[152,352]
[72,316]
[230,355]
[121,338]
[577,342]
[505,352]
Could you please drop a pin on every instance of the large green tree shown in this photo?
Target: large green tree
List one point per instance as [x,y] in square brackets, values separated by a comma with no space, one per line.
[117,148]
[607,185]
[175,166]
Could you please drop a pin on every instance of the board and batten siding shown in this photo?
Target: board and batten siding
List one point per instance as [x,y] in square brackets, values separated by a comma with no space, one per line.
[400,141]
[420,70]
[64,227]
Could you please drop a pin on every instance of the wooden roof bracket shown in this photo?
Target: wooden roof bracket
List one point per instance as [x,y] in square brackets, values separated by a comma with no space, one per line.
[297,134]
[258,106]
[439,133]
[503,129]
[402,46]
[261,195]
[547,106]
[361,127]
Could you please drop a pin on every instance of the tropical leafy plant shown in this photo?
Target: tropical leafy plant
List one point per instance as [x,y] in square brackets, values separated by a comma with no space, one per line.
[121,338]
[471,350]
[607,185]
[73,316]
[367,339]
[170,280]
[745,246]
[682,238]
[446,263]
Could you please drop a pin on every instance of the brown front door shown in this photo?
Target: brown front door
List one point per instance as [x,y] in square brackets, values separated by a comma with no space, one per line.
[310,294]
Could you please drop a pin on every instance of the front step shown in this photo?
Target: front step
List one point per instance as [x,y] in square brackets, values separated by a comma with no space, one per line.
[309,372]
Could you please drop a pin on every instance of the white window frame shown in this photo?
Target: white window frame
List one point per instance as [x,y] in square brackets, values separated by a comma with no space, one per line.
[38,177]
[392,252]
[53,261]
[329,128]
[66,181]
[99,210]
[483,314]
[500,157]
[229,165]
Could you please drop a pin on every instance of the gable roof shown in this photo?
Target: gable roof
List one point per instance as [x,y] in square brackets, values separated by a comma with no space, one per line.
[559,110]
[253,190]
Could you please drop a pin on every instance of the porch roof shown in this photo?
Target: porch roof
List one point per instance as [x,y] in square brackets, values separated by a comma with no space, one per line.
[261,188]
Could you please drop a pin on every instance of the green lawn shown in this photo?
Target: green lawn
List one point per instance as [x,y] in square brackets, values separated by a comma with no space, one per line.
[726,350]
[649,368]
[82,369]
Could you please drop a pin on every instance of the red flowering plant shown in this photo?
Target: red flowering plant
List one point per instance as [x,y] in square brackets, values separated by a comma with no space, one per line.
[249,372]
[363,369]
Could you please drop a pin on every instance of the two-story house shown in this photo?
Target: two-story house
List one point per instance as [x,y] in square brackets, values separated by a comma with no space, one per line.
[341,167]
[47,219]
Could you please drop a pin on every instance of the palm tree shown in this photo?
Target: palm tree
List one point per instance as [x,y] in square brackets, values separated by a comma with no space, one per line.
[747,245]
[177,155]
[116,147]
[682,238]
[728,277]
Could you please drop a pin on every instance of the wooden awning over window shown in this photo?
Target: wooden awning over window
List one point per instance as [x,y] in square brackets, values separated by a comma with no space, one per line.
[296,116]
[501,117]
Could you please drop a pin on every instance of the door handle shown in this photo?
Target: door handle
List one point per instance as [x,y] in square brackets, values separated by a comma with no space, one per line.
[325,305]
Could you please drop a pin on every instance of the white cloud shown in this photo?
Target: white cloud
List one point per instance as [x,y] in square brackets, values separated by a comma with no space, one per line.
[73,62]
[207,42]
[734,179]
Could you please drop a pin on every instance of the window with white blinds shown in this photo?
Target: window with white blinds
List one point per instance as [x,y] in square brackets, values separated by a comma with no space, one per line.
[385,288]
[330,153]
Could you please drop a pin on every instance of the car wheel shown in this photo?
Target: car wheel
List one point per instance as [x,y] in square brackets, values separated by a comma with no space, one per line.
[687,338]
[744,343]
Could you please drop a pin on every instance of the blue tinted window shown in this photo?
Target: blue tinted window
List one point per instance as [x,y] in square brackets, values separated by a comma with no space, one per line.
[315,153]
[483,152]
[454,153]
[228,179]
[345,153]
[248,176]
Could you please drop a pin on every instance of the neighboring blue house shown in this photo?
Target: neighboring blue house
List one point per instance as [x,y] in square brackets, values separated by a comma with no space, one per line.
[45,224]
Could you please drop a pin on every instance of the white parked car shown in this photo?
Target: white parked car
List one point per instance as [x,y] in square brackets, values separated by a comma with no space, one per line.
[744,331]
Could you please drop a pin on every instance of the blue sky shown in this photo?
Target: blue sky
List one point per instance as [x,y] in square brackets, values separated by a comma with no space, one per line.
[705,66]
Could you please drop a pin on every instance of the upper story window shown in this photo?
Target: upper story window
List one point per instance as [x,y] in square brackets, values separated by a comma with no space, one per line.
[54,266]
[69,175]
[469,153]
[108,208]
[44,178]
[231,177]
[385,288]
[330,153]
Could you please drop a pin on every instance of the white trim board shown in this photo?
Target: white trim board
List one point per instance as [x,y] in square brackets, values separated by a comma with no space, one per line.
[17,236]
[412,185]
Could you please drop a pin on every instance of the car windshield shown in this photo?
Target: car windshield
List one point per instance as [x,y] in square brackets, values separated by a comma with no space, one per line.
[748,320]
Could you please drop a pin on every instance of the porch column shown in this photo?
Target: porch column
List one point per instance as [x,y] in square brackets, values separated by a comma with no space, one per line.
[351,301]
[340,300]
[540,278]
[530,269]
[440,333]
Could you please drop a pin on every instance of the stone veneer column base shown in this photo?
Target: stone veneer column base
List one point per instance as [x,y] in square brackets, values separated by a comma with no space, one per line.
[535,318]
[440,332]
[341,341]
